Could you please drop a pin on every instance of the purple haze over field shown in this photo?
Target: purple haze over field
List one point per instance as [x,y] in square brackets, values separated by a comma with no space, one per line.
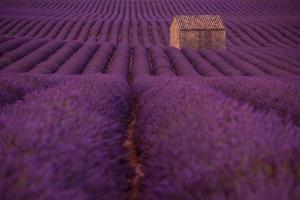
[96,105]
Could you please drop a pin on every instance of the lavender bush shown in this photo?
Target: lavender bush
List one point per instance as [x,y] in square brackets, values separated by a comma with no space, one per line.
[66,142]
[195,143]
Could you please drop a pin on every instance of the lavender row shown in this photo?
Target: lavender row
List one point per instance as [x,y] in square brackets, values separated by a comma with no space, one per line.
[280,95]
[100,60]
[195,143]
[53,62]
[140,62]
[11,44]
[161,62]
[20,52]
[14,87]
[78,60]
[67,140]
[290,67]
[181,64]
[261,35]
[263,65]
[120,61]
[26,63]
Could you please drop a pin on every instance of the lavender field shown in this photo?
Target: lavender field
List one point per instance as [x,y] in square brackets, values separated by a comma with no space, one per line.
[96,105]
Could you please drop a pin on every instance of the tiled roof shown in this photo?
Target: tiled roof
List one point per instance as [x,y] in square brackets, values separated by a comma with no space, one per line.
[199,22]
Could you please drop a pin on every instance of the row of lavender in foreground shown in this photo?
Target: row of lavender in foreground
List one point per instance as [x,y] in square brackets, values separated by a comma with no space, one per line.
[61,138]
[195,143]
[278,95]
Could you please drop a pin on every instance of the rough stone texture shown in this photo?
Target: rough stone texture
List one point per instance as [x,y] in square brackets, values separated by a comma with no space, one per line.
[197,32]
[174,35]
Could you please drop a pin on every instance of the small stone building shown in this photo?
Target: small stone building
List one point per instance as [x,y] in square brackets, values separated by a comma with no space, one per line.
[198,32]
